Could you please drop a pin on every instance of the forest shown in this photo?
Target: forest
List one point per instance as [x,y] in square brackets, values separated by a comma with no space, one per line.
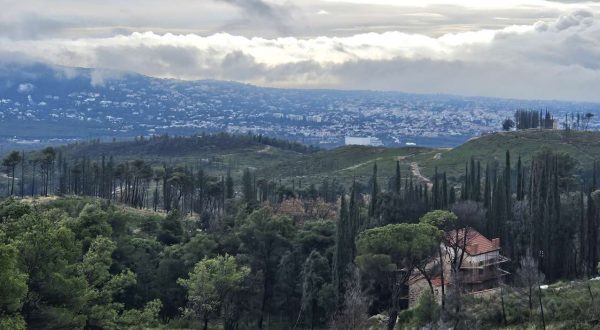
[95,242]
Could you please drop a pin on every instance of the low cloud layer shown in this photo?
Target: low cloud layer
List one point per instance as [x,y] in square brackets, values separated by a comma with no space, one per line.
[557,59]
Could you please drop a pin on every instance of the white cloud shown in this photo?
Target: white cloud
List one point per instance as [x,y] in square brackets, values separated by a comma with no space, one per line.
[554,59]
[269,52]
[466,3]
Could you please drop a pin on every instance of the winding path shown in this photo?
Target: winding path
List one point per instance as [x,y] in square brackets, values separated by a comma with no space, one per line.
[416,171]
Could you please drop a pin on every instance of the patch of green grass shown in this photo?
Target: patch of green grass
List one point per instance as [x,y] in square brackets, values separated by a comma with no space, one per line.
[566,306]
[582,146]
[344,164]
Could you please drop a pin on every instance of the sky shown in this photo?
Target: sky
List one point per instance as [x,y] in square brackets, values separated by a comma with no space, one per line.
[530,49]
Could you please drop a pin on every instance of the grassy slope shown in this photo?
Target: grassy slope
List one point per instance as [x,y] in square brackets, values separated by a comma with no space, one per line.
[566,306]
[345,164]
[583,146]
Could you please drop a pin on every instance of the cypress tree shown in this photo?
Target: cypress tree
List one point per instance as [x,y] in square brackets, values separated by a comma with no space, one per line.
[411,190]
[435,191]
[426,197]
[342,254]
[592,233]
[594,176]
[398,181]
[519,180]
[354,219]
[247,187]
[374,193]
[487,189]
[444,191]
[582,233]
[478,183]
[230,193]
[557,241]
[499,209]
[33,164]
[22,182]
[508,186]
[452,197]
[467,190]
[472,181]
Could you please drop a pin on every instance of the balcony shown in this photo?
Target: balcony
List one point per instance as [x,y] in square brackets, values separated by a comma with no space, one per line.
[481,276]
[484,263]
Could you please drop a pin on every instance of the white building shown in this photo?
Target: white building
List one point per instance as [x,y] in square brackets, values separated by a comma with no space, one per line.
[363,141]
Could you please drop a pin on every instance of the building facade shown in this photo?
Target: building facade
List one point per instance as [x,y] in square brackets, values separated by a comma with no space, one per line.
[363,141]
[479,262]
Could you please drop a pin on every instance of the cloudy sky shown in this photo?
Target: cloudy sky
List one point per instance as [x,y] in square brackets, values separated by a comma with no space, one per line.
[507,48]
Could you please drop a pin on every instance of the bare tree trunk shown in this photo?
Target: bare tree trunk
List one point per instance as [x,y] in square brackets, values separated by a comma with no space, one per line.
[502,302]
[530,296]
[12,187]
[22,183]
[263,306]
[541,307]
[423,272]
[7,182]
[392,320]
[397,288]
[442,279]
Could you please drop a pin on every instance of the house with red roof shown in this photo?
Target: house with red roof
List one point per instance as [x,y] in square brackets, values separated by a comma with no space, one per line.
[478,259]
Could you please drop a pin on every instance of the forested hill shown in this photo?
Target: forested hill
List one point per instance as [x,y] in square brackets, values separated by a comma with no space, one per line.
[269,235]
[196,145]
[283,160]
[213,152]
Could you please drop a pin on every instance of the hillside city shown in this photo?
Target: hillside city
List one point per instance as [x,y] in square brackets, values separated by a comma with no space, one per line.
[134,105]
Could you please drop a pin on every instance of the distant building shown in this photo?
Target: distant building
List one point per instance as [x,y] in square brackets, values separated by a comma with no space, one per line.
[480,270]
[363,141]
[314,119]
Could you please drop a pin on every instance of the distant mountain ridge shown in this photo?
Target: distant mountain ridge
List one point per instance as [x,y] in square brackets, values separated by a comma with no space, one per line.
[40,104]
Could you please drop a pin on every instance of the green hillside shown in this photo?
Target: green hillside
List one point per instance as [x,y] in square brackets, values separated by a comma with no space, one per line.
[346,163]
[582,146]
[285,161]
[213,152]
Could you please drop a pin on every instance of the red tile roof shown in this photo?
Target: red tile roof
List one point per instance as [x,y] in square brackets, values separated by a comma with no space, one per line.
[476,243]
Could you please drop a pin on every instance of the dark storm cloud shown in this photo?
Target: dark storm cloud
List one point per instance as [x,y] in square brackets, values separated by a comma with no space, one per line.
[255,7]
[259,12]
[31,26]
